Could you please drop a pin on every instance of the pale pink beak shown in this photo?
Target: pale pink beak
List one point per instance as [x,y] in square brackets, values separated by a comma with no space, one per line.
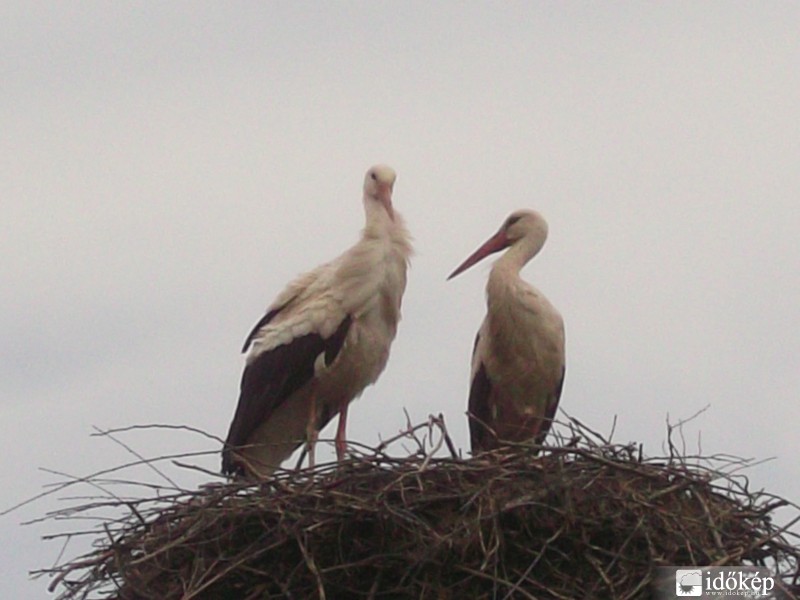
[497,242]
[385,196]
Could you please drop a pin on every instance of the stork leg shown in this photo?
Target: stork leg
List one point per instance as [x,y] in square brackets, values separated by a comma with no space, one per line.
[341,442]
[311,430]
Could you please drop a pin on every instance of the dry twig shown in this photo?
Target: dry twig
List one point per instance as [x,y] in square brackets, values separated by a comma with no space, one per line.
[584,518]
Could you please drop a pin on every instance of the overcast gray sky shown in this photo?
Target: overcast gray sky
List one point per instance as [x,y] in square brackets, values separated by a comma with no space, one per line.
[166,168]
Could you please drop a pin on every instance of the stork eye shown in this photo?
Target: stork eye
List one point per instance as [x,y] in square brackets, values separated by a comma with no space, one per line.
[511,220]
[373,176]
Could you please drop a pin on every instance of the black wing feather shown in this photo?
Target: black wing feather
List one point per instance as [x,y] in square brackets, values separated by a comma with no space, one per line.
[264,320]
[481,437]
[274,376]
[550,412]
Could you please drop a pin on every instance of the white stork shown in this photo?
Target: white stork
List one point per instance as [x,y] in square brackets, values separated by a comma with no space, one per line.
[518,357]
[322,341]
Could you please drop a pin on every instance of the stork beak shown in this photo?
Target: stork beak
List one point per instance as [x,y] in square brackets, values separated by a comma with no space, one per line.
[385,196]
[497,242]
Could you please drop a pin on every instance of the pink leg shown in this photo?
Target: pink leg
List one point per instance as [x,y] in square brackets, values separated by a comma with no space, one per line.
[341,442]
[311,430]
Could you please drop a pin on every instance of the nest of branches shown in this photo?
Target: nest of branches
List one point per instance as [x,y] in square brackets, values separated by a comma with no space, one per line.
[582,519]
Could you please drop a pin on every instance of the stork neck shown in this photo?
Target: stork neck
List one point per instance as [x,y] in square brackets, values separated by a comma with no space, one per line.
[518,255]
[377,219]
[502,278]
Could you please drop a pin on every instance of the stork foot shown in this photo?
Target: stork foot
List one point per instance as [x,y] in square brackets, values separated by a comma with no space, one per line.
[341,449]
[311,444]
[341,442]
[311,430]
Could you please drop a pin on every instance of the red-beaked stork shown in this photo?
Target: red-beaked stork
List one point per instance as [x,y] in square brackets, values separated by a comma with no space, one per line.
[518,358]
[322,341]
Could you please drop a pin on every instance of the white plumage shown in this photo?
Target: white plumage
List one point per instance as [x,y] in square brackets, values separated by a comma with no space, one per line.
[322,341]
[518,361]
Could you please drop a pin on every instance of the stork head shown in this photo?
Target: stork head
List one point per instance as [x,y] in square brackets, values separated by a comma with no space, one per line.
[525,229]
[378,185]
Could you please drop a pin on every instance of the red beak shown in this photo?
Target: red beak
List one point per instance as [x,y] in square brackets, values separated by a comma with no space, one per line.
[385,196]
[497,242]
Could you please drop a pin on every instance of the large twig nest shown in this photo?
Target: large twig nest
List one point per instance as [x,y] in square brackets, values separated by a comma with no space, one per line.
[585,519]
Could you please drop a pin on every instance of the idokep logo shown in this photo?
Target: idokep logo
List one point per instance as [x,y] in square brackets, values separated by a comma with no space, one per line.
[740,582]
[689,582]
[713,582]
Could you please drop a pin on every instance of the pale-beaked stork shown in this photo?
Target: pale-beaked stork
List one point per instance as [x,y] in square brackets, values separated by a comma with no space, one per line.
[322,341]
[518,358]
